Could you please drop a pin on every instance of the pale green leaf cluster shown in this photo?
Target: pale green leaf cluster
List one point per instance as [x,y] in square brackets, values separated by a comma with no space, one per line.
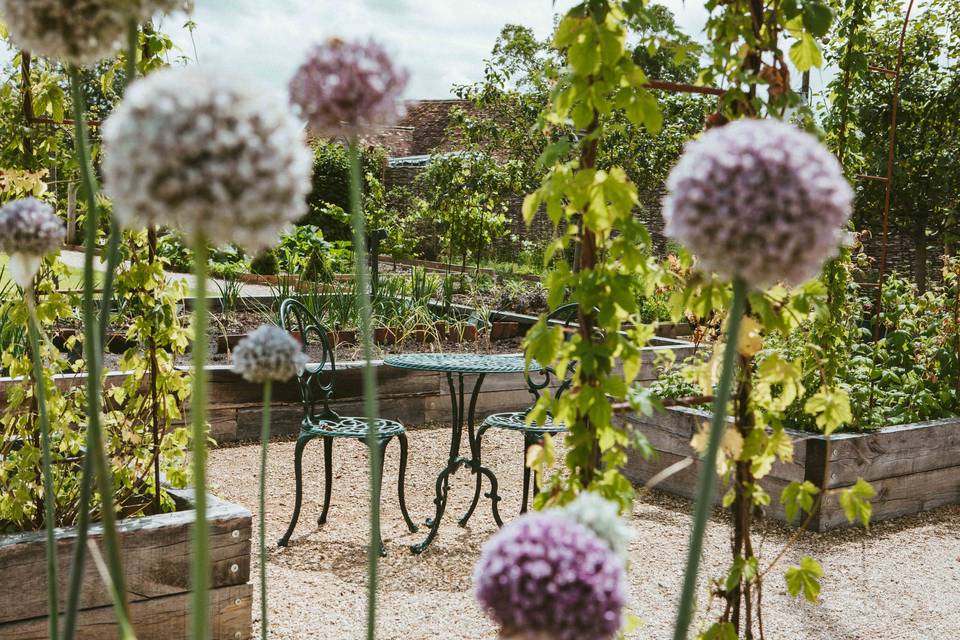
[590,205]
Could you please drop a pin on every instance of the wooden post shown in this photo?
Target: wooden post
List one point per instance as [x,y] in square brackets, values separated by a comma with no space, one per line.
[72,213]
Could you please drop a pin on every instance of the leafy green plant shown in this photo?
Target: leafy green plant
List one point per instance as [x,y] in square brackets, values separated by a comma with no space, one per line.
[591,209]
[304,252]
[466,195]
[265,263]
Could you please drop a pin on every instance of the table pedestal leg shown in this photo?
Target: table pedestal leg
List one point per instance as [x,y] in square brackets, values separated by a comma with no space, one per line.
[455,461]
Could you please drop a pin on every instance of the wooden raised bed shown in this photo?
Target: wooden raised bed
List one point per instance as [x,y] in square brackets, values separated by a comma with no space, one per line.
[912,467]
[156,561]
[413,397]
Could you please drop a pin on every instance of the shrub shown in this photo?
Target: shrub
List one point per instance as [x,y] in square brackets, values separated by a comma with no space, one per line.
[265,264]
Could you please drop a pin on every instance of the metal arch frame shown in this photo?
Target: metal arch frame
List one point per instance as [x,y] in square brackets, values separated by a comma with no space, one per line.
[891,153]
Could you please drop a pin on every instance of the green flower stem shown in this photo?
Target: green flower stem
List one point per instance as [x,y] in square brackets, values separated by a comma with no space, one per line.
[49,495]
[79,548]
[113,253]
[708,468]
[94,359]
[362,278]
[200,566]
[264,445]
[133,46]
[116,233]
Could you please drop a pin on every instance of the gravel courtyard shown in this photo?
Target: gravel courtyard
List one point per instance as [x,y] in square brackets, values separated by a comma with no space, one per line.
[877,584]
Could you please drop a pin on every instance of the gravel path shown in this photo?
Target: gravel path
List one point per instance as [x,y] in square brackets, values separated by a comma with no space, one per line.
[900,581]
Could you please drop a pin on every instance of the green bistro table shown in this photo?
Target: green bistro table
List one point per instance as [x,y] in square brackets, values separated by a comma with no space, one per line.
[460,365]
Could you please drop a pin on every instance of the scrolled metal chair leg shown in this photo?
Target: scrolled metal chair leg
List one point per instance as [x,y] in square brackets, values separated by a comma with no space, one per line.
[382,444]
[327,478]
[400,483]
[298,500]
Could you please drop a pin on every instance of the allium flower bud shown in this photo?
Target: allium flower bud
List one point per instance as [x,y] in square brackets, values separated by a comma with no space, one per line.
[268,354]
[29,230]
[212,155]
[344,88]
[544,575]
[602,517]
[760,200]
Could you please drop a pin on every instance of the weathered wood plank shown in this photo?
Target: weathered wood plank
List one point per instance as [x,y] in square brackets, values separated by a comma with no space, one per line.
[672,431]
[912,467]
[900,496]
[683,483]
[894,451]
[162,618]
[155,551]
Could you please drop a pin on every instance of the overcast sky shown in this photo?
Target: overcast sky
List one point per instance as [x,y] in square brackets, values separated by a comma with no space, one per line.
[441,42]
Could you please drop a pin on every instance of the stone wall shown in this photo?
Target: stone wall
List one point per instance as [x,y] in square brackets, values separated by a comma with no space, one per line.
[427,122]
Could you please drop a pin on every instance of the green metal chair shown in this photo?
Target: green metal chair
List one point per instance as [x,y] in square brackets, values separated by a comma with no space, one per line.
[320,421]
[566,316]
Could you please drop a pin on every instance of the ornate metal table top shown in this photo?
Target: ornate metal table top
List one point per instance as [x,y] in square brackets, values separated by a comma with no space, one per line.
[461,362]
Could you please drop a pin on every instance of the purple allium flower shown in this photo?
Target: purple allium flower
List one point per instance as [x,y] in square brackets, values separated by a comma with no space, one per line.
[207,153]
[268,353]
[546,574]
[760,200]
[344,88]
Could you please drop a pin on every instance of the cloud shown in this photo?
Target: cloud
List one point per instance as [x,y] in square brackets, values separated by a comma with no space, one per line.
[441,42]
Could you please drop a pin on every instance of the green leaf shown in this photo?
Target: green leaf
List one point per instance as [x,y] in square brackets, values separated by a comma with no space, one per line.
[805,53]
[830,407]
[584,54]
[743,570]
[805,578]
[856,502]
[798,497]
[641,108]
[719,631]
[817,18]
[531,203]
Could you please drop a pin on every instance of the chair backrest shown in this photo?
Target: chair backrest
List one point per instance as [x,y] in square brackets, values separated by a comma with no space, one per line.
[316,380]
[565,316]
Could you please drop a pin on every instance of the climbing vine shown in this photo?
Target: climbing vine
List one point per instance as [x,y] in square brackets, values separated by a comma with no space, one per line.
[592,210]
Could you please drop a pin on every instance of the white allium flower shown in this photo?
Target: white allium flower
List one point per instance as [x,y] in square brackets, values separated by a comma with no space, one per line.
[602,517]
[209,154]
[29,230]
[79,32]
[760,200]
[269,353]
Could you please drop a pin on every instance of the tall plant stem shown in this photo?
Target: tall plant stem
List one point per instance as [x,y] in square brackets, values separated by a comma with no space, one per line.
[94,359]
[708,467]
[49,495]
[200,566]
[154,374]
[264,445]
[362,278]
[113,245]
[79,547]
[116,233]
[586,260]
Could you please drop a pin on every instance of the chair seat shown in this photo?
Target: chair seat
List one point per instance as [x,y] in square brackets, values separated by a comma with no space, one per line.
[351,427]
[517,421]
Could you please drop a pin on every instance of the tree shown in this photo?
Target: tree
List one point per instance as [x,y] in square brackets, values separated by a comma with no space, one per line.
[520,75]
[925,199]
